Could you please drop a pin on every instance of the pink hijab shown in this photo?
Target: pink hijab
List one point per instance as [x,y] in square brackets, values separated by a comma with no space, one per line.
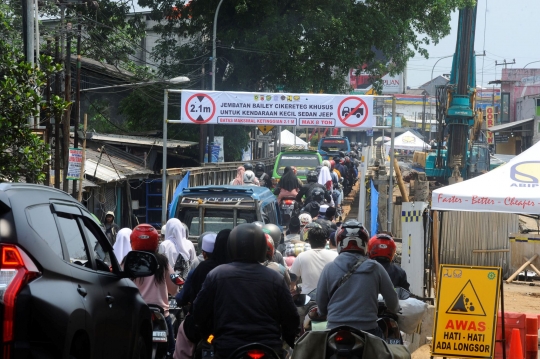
[239,180]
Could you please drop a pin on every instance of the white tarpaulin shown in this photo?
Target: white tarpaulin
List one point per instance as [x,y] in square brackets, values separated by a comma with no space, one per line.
[287,139]
[246,108]
[408,141]
[511,188]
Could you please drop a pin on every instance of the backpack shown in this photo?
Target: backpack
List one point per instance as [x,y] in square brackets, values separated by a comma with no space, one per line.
[182,267]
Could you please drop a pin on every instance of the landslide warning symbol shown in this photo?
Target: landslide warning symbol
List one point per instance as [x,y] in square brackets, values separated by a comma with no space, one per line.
[467,302]
[353,111]
[200,108]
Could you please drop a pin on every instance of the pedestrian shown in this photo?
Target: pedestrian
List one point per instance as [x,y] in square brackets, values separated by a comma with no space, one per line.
[111,228]
[178,249]
[239,180]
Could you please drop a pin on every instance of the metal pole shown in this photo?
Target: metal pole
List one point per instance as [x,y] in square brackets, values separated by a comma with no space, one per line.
[362,198]
[67,114]
[211,126]
[77,101]
[391,177]
[57,117]
[28,21]
[164,170]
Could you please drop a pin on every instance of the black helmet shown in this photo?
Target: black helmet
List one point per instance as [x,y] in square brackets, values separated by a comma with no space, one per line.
[317,195]
[248,166]
[247,243]
[274,232]
[318,170]
[260,167]
[312,176]
[341,154]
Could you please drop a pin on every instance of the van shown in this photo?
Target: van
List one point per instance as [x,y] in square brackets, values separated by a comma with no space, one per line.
[331,146]
[304,161]
[213,208]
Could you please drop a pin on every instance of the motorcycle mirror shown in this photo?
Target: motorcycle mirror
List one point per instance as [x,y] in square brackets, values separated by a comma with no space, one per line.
[307,300]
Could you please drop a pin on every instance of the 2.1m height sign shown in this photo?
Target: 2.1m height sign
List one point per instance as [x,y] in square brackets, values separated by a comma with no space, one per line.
[277,109]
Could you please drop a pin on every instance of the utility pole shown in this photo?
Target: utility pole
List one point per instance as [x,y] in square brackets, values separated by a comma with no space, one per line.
[28,34]
[506,63]
[48,130]
[78,102]
[67,113]
[57,117]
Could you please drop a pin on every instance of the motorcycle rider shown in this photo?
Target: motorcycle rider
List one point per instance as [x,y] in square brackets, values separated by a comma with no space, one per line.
[307,189]
[326,217]
[215,253]
[249,179]
[277,236]
[155,288]
[308,265]
[351,279]
[382,248]
[178,249]
[266,312]
[264,179]
[269,260]
[288,185]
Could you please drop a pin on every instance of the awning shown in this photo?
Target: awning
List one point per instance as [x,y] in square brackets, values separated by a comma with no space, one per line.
[509,125]
[103,173]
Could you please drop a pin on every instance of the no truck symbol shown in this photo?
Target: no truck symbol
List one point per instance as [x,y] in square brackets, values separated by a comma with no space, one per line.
[200,108]
[352,111]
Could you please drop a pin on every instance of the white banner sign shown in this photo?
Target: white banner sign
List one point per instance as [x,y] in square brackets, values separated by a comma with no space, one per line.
[246,108]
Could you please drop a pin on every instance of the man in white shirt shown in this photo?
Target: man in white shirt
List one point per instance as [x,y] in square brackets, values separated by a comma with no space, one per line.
[309,264]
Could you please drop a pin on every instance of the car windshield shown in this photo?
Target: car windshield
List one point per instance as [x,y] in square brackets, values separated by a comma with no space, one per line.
[334,145]
[214,219]
[303,163]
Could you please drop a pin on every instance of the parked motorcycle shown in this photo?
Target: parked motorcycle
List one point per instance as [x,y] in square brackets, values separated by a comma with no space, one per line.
[159,332]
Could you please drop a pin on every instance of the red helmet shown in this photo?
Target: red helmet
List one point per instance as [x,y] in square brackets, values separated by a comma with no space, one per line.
[352,236]
[347,159]
[269,247]
[332,164]
[144,238]
[381,245]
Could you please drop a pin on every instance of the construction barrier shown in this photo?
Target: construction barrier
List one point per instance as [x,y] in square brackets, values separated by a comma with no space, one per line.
[511,321]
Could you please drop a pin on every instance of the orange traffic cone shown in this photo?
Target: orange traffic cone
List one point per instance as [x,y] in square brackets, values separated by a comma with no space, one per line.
[516,351]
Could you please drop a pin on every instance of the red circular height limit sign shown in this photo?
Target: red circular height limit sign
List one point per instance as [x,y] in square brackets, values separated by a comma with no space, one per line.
[352,111]
[200,108]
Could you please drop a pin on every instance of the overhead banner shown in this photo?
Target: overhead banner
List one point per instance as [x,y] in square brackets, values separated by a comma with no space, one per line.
[277,109]
[466,313]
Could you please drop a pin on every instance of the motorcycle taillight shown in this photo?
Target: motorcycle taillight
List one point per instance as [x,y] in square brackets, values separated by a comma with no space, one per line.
[344,338]
[288,202]
[255,354]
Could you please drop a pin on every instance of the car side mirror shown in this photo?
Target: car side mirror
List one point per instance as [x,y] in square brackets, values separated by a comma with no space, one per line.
[139,264]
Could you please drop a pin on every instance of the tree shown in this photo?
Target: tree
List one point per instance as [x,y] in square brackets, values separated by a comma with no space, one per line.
[22,152]
[301,45]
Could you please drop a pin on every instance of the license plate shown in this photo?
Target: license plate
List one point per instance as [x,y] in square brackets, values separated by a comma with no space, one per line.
[207,353]
[159,336]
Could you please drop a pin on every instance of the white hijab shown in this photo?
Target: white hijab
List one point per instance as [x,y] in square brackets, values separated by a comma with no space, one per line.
[122,246]
[324,176]
[176,242]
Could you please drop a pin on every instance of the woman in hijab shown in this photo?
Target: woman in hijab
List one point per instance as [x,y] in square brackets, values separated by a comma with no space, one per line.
[177,244]
[239,180]
[288,185]
[122,246]
[325,178]
[188,335]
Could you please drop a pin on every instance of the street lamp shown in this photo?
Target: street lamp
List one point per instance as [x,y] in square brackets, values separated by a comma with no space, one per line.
[531,63]
[174,80]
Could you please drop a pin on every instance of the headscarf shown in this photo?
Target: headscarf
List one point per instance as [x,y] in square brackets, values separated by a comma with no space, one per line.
[221,254]
[176,242]
[325,178]
[239,180]
[288,181]
[122,246]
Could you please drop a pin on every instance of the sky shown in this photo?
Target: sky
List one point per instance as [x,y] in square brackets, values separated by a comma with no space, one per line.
[510,29]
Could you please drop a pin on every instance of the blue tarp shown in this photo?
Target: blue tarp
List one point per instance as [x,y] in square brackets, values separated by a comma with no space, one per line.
[374,208]
[184,183]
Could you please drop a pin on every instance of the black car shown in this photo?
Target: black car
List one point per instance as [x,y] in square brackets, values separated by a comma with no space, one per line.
[58,298]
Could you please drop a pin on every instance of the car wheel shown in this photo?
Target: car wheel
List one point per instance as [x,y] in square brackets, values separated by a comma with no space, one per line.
[141,351]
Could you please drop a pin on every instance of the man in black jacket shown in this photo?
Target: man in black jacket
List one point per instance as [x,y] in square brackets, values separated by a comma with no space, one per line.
[245,301]
[307,189]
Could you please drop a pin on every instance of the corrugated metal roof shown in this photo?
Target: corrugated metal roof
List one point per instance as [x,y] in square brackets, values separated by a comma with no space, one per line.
[509,125]
[138,140]
[101,172]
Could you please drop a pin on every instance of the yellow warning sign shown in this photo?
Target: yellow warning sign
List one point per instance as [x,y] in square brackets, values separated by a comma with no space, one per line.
[466,313]
[265,129]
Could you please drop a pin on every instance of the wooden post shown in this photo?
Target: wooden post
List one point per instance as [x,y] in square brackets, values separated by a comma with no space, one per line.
[511,278]
[399,179]
[435,236]
[81,176]
[533,267]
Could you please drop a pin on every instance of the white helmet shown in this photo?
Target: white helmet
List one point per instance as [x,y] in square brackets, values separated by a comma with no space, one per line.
[249,177]
[326,163]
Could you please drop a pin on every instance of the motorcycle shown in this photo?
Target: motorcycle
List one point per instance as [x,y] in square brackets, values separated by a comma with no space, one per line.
[345,342]
[176,312]
[289,208]
[388,324]
[159,332]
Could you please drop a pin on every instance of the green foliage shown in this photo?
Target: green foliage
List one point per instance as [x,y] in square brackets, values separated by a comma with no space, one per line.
[303,45]
[22,153]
